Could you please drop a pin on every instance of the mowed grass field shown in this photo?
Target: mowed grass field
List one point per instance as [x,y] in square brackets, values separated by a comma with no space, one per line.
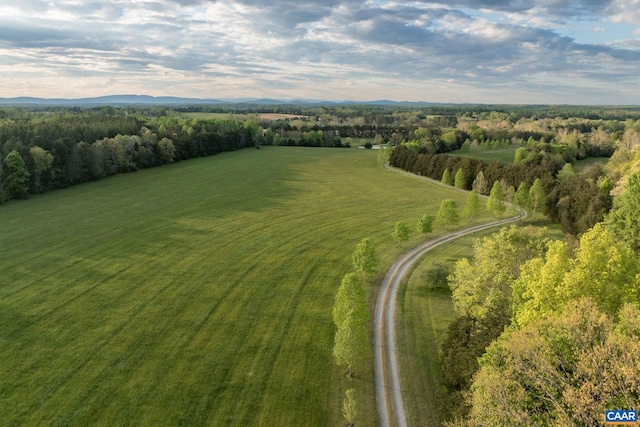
[198,293]
[503,155]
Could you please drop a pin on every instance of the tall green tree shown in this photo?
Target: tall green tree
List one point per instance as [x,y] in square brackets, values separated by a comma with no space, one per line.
[350,315]
[400,233]
[495,203]
[448,213]
[605,269]
[166,150]
[624,218]
[471,206]
[520,155]
[536,292]
[537,197]
[16,176]
[460,179]
[425,224]
[365,259]
[42,161]
[482,296]
[446,177]
[522,196]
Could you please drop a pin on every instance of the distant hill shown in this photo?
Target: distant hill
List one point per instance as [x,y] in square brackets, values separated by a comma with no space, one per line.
[117,100]
[107,100]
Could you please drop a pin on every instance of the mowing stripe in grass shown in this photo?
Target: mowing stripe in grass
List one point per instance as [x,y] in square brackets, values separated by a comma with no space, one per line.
[196,293]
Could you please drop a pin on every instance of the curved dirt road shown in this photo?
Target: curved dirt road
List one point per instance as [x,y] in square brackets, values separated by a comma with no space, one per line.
[388,390]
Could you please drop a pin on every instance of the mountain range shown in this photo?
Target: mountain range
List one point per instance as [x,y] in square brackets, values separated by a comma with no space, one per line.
[119,100]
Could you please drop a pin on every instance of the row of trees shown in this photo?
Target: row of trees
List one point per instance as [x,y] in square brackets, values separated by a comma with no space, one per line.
[543,167]
[35,168]
[351,315]
[524,197]
[575,201]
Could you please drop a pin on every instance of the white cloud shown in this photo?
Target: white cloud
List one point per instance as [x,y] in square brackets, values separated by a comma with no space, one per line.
[627,11]
[321,49]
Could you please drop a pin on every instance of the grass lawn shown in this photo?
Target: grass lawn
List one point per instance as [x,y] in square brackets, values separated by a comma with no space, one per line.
[580,165]
[198,293]
[503,155]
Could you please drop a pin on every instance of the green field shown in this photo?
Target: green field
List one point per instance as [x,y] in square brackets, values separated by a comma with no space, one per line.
[198,293]
[503,155]
[581,165]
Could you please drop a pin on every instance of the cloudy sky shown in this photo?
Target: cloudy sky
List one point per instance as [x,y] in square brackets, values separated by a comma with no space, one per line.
[486,51]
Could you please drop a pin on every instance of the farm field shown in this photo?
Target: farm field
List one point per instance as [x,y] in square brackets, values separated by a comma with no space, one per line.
[198,293]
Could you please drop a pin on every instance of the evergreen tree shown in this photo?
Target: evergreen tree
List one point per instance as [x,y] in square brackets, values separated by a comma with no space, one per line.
[446,177]
[460,179]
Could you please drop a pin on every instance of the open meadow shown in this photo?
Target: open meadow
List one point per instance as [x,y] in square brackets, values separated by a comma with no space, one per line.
[198,293]
[503,155]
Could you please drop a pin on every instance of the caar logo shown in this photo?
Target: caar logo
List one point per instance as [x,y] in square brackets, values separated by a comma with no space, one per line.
[626,416]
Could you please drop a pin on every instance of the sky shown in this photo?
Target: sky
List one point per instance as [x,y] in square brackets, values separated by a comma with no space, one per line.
[459,51]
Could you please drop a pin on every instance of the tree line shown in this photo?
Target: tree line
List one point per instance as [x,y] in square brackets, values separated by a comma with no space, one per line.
[350,315]
[42,154]
[576,201]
